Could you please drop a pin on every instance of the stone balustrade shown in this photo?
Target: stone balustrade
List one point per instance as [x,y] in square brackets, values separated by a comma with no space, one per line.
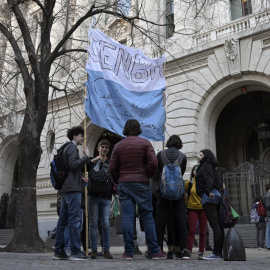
[236,26]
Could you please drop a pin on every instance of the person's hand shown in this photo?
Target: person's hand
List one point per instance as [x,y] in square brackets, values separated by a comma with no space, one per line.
[86,151]
[211,195]
[85,177]
[95,159]
[185,196]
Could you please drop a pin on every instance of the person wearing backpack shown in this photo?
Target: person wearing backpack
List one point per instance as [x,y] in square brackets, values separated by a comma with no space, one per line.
[172,211]
[134,161]
[266,204]
[71,197]
[100,195]
[195,214]
[207,187]
[259,222]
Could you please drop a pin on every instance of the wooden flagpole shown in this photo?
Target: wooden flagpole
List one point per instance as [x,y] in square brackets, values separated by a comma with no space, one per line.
[164,99]
[85,189]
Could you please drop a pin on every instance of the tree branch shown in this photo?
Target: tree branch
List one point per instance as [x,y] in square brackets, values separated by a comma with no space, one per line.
[18,54]
[71,31]
[26,36]
[62,52]
[40,5]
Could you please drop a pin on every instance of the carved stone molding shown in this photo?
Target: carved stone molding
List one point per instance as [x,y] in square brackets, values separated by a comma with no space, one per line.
[187,64]
[232,52]
[43,184]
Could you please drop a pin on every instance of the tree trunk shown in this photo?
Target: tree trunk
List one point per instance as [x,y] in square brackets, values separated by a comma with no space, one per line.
[26,235]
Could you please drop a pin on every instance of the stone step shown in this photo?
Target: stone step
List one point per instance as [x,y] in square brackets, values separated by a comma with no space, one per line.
[246,231]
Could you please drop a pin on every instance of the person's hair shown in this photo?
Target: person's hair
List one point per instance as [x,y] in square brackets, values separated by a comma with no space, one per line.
[267,187]
[74,131]
[104,142]
[257,198]
[192,171]
[209,157]
[175,141]
[132,128]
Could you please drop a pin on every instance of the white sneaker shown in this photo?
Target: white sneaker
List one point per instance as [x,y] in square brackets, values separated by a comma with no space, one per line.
[212,257]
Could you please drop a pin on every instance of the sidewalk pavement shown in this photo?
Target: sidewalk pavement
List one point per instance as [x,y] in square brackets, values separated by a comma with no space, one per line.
[256,259]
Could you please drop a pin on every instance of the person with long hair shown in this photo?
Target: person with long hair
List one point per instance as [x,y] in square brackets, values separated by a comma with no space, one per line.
[195,214]
[208,187]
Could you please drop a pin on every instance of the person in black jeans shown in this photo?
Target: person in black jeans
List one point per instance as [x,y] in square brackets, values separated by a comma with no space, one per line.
[207,187]
[176,234]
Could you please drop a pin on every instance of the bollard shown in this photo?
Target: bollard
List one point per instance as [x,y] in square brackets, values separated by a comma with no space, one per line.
[233,247]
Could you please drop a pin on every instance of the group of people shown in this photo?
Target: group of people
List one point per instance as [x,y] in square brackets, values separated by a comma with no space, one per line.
[133,162]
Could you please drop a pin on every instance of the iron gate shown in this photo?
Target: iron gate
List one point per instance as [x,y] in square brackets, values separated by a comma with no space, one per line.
[244,183]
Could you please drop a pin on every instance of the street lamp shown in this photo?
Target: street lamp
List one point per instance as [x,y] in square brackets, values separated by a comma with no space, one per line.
[263,131]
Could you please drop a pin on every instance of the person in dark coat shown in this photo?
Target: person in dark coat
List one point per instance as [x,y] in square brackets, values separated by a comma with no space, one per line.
[134,161]
[172,212]
[207,187]
[260,225]
[71,197]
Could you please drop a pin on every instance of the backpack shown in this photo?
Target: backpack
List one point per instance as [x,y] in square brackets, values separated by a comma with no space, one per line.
[172,183]
[261,209]
[100,179]
[254,217]
[228,216]
[59,169]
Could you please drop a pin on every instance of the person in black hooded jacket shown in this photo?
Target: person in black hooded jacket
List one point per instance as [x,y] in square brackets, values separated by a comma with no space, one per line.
[207,187]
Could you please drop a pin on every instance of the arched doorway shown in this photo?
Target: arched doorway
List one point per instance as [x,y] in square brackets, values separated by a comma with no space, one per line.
[240,151]
[8,181]
[236,137]
[113,138]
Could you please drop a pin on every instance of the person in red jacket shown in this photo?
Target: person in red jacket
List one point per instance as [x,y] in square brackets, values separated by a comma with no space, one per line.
[134,161]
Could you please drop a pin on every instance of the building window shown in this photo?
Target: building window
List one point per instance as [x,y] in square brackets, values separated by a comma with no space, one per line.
[50,141]
[240,8]
[123,6]
[169,18]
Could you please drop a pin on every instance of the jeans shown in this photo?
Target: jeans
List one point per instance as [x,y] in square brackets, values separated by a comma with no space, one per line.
[193,217]
[71,216]
[66,238]
[130,194]
[267,233]
[99,207]
[260,234]
[212,213]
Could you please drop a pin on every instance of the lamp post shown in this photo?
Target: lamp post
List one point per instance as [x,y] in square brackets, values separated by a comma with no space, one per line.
[263,131]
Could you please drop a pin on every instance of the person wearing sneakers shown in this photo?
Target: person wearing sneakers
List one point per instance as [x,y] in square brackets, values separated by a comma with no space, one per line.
[134,161]
[207,187]
[71,197]
[100,195]
[195,214]
[172,212]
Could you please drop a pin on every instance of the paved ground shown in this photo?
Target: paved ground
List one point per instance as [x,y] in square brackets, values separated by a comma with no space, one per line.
[256,259]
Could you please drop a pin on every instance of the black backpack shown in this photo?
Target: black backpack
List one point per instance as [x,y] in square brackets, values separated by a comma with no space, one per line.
[100,181]
[59,169]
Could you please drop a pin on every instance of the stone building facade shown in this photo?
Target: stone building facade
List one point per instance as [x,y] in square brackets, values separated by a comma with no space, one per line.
[217,91]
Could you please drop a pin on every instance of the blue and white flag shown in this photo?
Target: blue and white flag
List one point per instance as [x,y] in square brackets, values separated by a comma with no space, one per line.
[124,84]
